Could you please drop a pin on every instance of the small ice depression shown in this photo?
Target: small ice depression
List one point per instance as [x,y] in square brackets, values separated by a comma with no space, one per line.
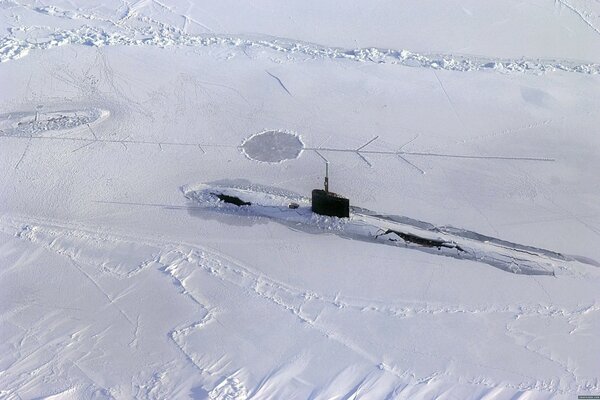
[273,146]
[31,123]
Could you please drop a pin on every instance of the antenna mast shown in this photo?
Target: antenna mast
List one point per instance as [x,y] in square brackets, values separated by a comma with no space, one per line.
[328,203]
[326,176]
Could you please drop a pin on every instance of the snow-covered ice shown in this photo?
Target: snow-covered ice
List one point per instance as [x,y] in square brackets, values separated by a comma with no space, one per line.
[468,128]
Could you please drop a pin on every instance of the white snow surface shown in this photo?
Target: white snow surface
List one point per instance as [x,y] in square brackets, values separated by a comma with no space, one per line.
[116,284]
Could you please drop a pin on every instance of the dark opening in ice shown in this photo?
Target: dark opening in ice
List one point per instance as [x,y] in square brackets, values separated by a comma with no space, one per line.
[273,146]
[232,199]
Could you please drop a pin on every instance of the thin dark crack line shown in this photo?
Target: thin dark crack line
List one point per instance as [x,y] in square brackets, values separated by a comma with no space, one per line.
[449,100]
[280,83]
[321,155]
[23,155]
[409,142]
[411,164]
[388,152]
[121,141]
[93,133]
[364,159]
[580,14]
[201,146]
[547,159]
[368,143]
[84,146]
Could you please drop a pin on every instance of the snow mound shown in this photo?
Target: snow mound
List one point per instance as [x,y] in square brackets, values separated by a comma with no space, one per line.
[31,123]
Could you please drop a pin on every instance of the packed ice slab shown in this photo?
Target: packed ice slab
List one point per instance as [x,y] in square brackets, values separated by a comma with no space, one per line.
[478,116]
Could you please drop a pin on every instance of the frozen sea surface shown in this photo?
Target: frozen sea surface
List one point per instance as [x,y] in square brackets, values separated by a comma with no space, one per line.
[466,121]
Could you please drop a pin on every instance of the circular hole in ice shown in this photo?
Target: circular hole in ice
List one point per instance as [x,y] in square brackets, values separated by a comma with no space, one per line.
[273,146]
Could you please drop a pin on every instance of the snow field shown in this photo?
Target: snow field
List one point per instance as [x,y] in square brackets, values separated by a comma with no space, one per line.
[113,284]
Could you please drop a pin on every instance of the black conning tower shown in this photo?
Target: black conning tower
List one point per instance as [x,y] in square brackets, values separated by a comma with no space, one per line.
[328,203]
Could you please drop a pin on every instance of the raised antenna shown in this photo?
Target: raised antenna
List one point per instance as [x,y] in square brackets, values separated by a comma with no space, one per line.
[328,203]
[326,171]
[327,177]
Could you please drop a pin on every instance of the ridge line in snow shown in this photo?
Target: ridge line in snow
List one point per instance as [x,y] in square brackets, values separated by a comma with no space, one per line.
[12,48]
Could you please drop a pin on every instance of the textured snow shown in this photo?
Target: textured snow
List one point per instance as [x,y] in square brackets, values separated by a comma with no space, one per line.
[479,118]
